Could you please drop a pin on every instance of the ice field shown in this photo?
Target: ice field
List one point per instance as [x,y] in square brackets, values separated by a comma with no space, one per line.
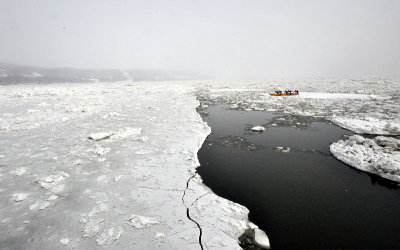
[113,165]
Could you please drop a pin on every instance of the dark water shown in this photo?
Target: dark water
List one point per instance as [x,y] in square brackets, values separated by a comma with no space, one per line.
[303,199]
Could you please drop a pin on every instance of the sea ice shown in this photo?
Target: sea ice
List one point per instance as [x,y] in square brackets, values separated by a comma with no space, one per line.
[159,236]
[109,235]
[19,197]
[142,221]
[380,156]
[92,227]
[100,136]
[51,181]
[261,239]
[167,137]
[64,241]
[258,128]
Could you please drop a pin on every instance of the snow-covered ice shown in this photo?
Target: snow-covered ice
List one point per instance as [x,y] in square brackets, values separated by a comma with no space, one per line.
[380,156]
[108,165]
[19,197]
[139,221]
[369,125]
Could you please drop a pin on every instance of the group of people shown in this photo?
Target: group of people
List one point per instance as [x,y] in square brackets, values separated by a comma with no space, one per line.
[287,92]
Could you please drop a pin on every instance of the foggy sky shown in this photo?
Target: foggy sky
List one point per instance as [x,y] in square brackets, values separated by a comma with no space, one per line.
[230,39]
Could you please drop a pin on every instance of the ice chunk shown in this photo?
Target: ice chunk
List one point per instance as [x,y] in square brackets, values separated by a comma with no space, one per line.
[92,227]
[380,156]
[119,178]
[101,150]
[357,138]
[53,182]
[142,221]
[19,197]
[127,132]
[109,235]
[52,198]
[19,171]
[258,128]
[33,207]
[369,125]
[44,205]
[100,135]
[159,235]
[64,241]
[261,239]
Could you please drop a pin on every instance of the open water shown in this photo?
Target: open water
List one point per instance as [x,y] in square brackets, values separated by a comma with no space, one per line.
[304,198]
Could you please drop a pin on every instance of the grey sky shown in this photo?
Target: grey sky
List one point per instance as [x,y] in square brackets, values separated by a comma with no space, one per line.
[236,39]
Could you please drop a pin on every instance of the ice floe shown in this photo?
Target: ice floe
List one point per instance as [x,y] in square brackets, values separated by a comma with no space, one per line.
[64,241]
[369,125]
[100,135]
[258,128]
[380,156]
[17,197]
[139,221]
[109,235]
[261,239]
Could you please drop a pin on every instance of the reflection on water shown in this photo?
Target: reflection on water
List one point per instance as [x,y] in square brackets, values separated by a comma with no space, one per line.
[305,198]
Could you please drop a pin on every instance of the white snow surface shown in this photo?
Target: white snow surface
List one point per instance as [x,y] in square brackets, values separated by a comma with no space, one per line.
[82,193]
[380,156]
[369,125]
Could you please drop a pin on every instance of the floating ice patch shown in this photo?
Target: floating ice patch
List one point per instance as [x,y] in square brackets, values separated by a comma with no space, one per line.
[64,241]
[142,221]
[258,128]
[92,228]
[52,181]
[44,205]
[159,236]
[101,150]
[17,197]
[109,235]
[369,126]
[380,156]
[100,136]
[18,171]
[283,149]
[52,198]
[119,178]
[34,207]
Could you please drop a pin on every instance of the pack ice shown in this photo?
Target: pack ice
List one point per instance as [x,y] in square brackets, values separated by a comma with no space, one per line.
[363,106]
[88,166]
[380,156]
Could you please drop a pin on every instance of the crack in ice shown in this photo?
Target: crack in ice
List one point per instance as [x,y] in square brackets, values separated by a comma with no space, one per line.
[188,210]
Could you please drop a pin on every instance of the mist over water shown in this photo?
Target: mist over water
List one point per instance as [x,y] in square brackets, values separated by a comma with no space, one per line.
[222,39]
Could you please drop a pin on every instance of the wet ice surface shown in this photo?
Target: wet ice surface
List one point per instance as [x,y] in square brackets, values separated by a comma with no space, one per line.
[303,198]
[86,166]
